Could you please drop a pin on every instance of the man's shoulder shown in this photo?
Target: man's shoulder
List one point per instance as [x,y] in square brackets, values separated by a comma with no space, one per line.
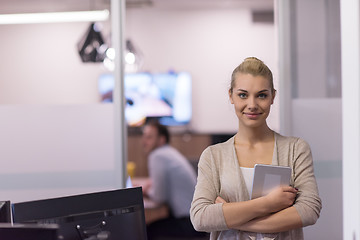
[164,149]
[165,152]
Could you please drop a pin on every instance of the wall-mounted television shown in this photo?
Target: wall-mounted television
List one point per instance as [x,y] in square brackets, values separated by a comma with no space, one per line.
[164,96]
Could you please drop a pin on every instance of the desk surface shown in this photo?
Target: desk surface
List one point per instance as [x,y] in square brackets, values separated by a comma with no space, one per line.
[153,211]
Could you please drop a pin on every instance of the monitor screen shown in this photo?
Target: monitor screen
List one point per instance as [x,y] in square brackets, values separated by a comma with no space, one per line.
[110,215]
[5,212]
[164,96]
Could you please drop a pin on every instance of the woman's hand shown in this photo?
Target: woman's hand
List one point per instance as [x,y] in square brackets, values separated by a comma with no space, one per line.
[281,198]
[220,200]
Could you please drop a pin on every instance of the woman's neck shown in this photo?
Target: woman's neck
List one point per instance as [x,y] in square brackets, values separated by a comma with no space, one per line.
[254,135]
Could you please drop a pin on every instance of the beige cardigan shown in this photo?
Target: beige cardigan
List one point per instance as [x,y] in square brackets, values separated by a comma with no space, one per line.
[219,174]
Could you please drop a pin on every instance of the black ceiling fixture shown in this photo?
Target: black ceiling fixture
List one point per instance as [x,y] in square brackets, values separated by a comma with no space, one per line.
[92,46]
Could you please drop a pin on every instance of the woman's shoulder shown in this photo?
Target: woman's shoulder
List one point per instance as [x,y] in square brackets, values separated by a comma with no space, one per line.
[290,141]
[228,144]
[222,148]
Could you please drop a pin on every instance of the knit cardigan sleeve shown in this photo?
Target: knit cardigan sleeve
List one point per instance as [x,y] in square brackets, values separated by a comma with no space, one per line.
[308,203]
[214,167]
[204,213]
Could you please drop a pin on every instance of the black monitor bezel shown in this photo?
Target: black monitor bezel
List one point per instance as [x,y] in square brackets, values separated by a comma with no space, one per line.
[5,211]
[76,208]
[9,231]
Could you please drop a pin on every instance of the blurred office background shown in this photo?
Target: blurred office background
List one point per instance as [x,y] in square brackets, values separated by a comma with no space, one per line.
[57,136]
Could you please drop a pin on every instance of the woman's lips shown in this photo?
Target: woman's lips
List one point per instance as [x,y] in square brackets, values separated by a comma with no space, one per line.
[252,115]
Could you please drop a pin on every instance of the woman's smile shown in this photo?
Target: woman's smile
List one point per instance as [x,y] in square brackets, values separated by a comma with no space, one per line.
[252,116]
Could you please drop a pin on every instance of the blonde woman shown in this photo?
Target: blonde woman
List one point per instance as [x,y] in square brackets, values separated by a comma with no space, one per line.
[221,203]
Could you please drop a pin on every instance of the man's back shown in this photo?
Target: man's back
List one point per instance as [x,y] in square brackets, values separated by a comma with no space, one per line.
[173,179]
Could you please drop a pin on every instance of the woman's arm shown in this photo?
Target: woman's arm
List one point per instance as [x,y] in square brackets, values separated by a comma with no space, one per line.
[208,215]
[237,214]
[281,221]
[308,202]
[306,209]
[204,214]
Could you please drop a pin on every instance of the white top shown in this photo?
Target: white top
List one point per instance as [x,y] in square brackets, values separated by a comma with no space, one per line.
[248,174]
[220,175]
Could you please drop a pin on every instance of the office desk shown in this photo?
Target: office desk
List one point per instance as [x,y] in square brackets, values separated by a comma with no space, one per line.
[153,211]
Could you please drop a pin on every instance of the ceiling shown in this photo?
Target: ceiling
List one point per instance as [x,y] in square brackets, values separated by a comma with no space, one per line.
[27,6]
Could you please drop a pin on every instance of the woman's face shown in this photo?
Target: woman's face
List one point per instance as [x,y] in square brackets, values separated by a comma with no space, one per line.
[252,97]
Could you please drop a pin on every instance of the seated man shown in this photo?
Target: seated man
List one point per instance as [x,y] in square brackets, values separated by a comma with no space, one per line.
[172,182]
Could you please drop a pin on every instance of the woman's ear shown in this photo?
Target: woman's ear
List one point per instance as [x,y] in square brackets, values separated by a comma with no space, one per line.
[230,96]
[273,96]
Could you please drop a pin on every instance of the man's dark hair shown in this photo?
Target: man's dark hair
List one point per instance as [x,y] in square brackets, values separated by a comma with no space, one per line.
[162,130]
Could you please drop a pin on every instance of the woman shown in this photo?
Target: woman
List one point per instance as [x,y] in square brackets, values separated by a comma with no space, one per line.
[221,203]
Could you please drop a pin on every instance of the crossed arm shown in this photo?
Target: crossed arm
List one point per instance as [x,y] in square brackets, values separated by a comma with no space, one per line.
[269,214]
[275,212]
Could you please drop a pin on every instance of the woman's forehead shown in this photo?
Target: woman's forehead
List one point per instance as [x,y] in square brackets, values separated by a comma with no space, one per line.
[249,80]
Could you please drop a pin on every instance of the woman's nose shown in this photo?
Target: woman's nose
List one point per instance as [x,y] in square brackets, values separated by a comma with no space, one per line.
[252,104]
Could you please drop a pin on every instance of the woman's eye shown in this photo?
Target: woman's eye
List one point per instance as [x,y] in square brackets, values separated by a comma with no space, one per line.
[242,95]
[262,95]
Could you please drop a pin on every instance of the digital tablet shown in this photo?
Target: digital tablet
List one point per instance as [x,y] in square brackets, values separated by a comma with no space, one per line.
[268,177]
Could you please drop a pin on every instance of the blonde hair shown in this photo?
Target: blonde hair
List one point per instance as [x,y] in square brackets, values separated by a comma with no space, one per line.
[255,67]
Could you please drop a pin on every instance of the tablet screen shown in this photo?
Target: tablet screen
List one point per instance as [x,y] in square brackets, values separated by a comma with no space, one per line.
[268,177]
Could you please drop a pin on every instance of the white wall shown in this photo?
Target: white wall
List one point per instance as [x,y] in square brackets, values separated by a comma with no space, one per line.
[44,87]
[350,60]
[51,151]
[40,64]
[323,132]
[209,44]
[312,108]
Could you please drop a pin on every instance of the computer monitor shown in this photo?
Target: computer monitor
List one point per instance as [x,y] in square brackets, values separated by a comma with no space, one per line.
[28,231]
[110,215]
[163,96]
[5,212]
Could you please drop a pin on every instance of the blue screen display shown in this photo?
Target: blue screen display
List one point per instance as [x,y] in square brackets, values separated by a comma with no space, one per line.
[166,96]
